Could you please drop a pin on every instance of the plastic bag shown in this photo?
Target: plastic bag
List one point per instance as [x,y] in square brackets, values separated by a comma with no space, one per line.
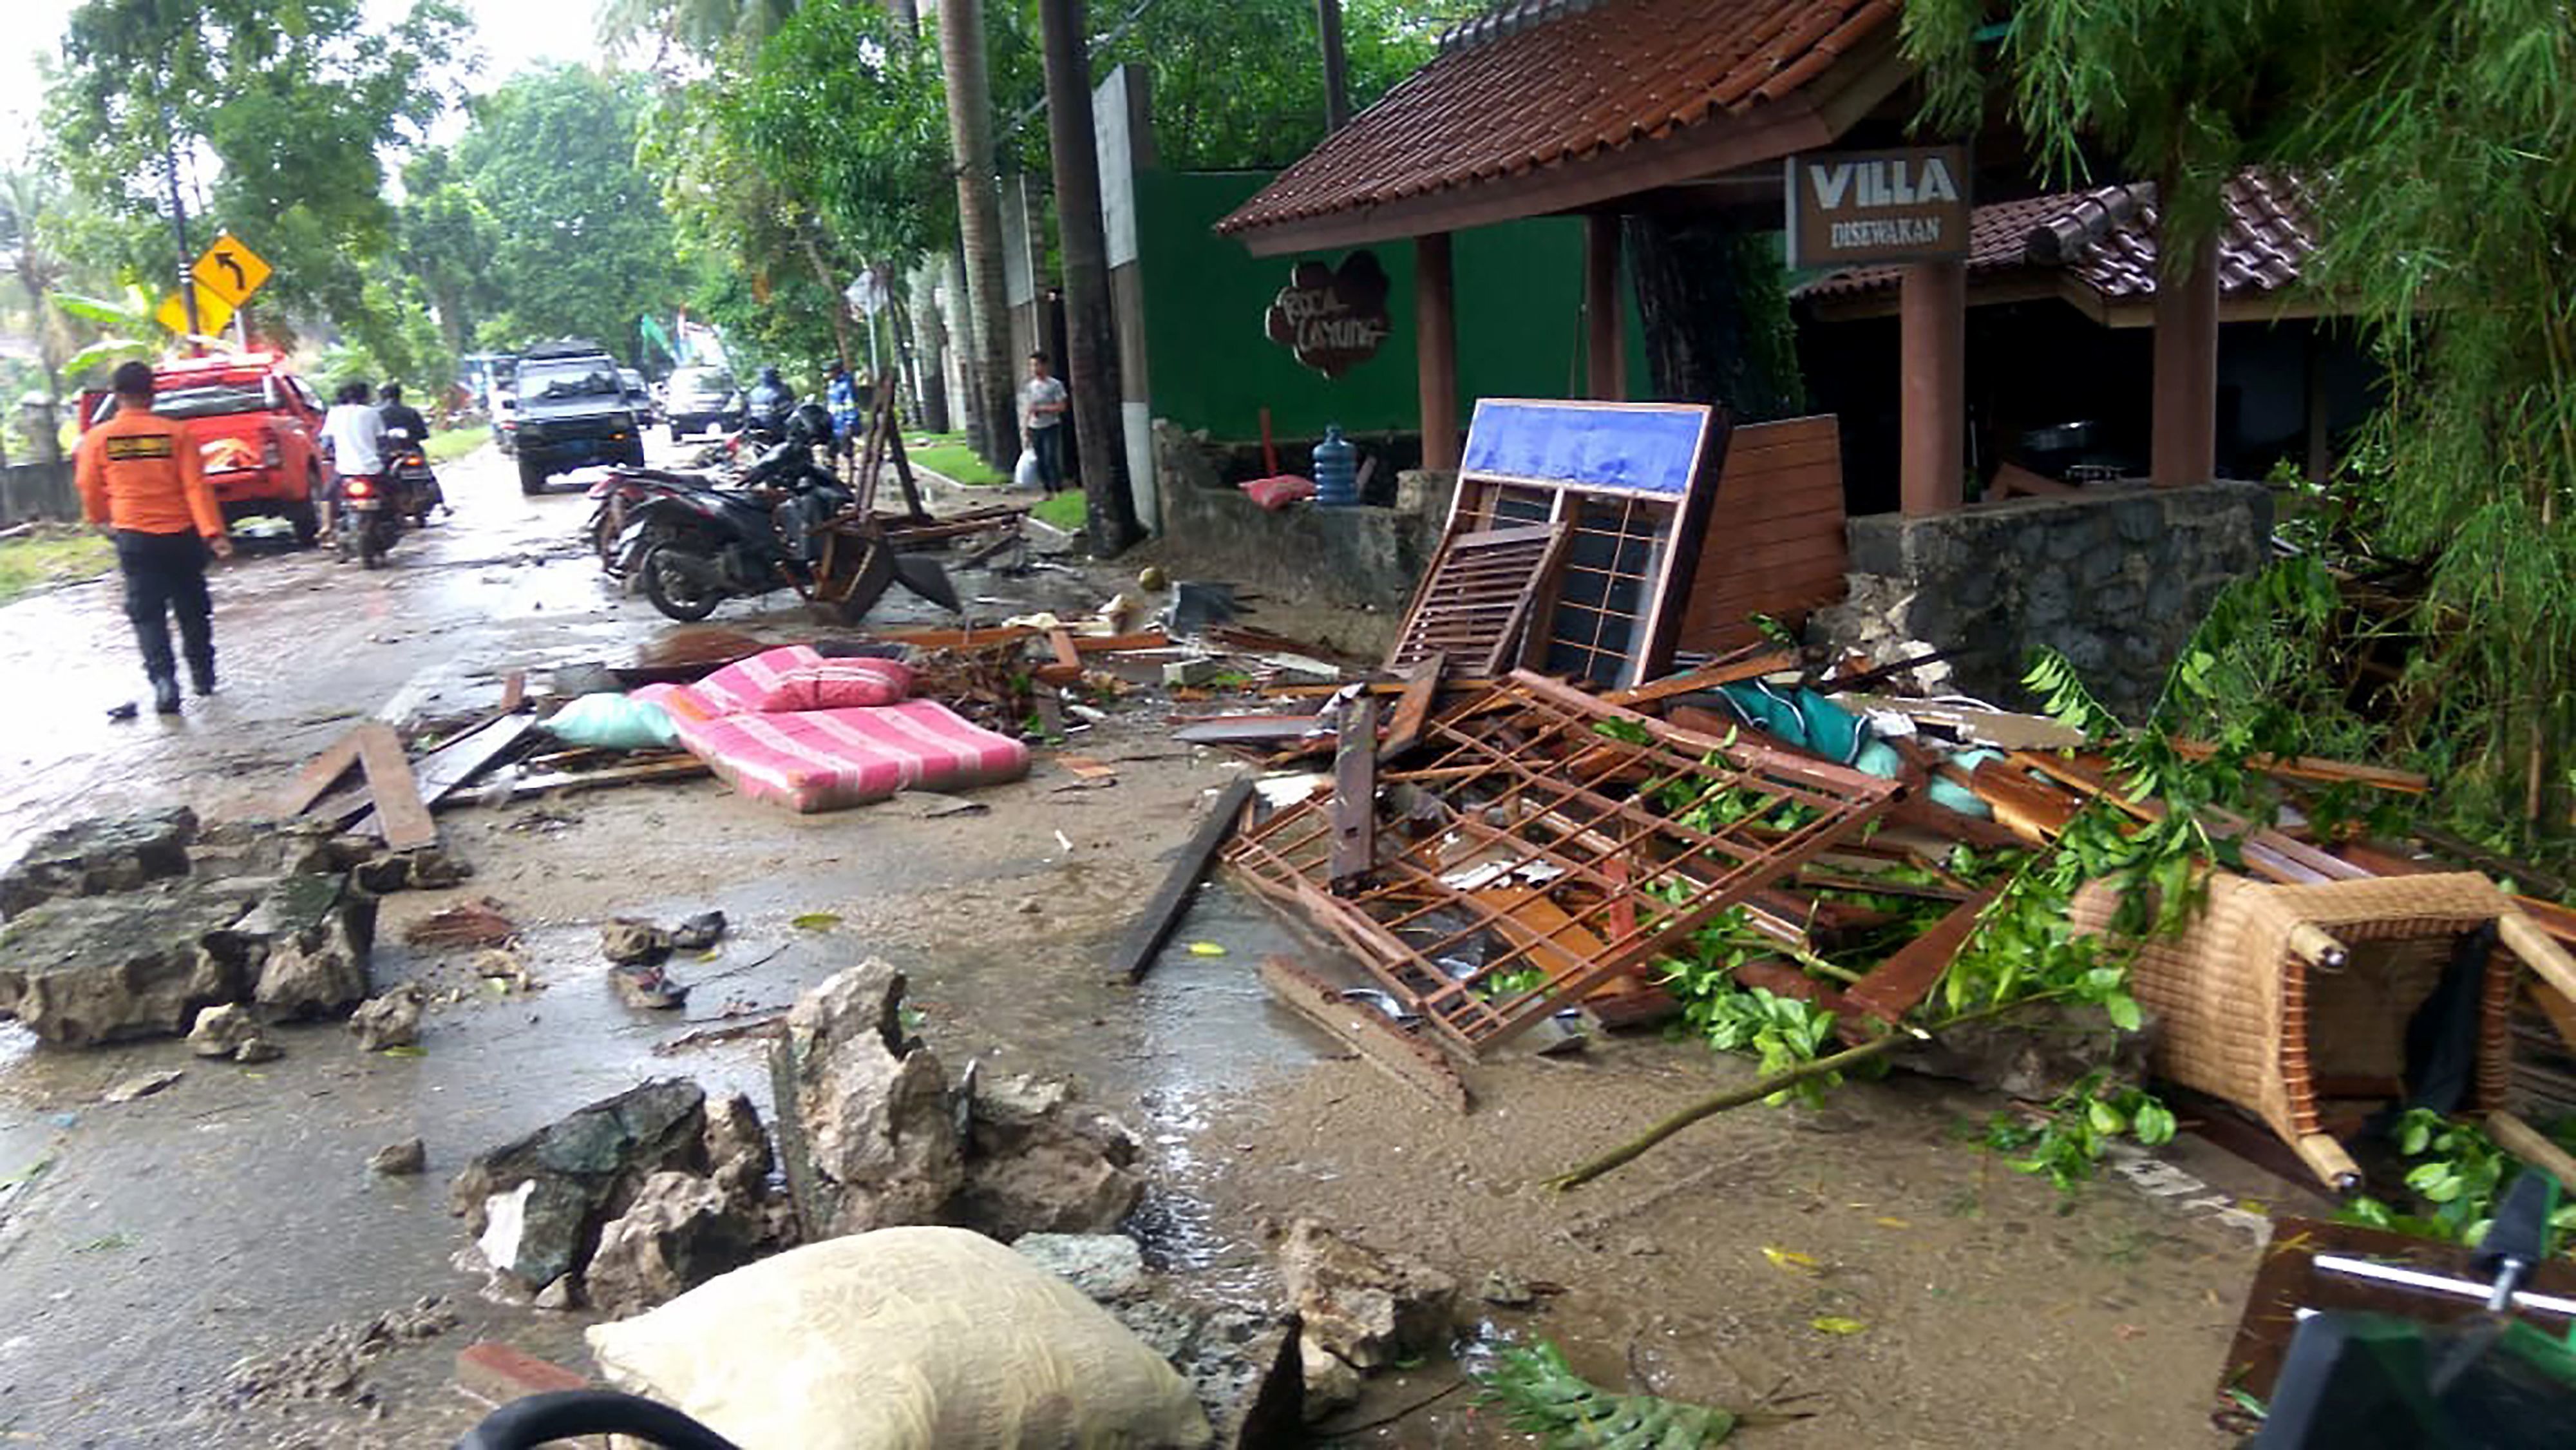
[1026,473]
[611,721]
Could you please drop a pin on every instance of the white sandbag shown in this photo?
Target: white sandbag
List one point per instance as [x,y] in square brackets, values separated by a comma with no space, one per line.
[901,1339]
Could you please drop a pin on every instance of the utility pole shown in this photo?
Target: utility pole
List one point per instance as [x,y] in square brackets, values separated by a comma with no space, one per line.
[1337,79]
[979,223]
[1091,367]
[179,221]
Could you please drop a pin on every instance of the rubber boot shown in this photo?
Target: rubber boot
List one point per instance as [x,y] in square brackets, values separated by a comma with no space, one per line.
[165,694]
[201,673]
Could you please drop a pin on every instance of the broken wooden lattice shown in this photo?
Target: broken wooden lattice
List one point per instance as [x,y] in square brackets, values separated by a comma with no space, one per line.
[1544,843]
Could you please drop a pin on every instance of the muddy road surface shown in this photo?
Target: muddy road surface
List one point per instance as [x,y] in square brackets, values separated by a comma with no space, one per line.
[147,1247]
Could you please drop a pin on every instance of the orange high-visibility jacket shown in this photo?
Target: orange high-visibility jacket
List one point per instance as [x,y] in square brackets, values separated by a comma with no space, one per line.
[141,472]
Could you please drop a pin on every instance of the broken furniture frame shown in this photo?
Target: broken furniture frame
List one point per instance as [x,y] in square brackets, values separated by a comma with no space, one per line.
[1476,597]
[1569,842]
[1630,485]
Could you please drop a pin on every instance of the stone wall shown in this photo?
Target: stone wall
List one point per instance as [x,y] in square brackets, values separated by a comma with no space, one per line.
[2116,579]
[38,491]
[1349,558]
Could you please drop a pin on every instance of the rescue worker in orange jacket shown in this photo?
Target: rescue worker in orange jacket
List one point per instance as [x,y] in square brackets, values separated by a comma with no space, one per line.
[143,483]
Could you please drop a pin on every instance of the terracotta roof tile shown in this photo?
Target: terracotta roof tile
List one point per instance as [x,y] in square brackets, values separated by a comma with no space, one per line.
[2106,237]
[1533,85]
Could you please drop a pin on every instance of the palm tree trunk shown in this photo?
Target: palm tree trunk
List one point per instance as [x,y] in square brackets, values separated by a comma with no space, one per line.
[979,222]
[929,346]
[1091,365]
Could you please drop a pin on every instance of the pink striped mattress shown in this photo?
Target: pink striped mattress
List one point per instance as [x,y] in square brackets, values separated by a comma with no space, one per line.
[824,760]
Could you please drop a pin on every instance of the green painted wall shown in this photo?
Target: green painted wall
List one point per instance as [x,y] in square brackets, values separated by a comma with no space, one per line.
[1520,326]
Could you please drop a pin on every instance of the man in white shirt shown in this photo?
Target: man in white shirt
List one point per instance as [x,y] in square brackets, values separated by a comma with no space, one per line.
[353,434]
[1042,405]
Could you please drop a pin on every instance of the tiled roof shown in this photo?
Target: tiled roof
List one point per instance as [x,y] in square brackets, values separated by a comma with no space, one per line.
[2106,239]
[1538,83]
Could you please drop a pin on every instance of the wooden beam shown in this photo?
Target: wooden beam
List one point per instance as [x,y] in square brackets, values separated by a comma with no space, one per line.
[399,810]
[2184,449]
[317,776]
[1604,347]
[1899,984]
[1355,798]
[1134,955]
[1379,1041]
[1932,368]
[1413,707]
[1435,323]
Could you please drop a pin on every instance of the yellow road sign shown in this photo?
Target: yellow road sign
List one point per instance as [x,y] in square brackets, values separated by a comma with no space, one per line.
[230,271]
[214,314]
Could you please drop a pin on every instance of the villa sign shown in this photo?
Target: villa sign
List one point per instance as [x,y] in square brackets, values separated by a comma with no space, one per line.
[1852,207]
[1332,320]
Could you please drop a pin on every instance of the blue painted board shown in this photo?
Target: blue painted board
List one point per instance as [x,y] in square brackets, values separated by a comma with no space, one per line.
[1595,445]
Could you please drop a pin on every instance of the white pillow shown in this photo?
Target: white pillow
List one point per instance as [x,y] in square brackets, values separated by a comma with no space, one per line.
[901,1339]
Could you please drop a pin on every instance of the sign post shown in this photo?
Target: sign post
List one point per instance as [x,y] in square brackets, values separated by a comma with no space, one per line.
[1854,208]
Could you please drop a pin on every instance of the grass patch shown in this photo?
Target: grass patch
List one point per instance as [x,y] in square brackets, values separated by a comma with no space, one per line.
[1065,510]
[446,445]
[54,554]
[957,461]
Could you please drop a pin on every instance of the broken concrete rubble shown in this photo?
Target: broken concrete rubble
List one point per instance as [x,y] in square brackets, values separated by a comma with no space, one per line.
[99,856]
[1044,1163]
[864,1118]
[319,937]
[629,942]
[1107,1268]
[1363,1307]
[82,971]
[536,1206]
[681,1231]
[221,1031]
[400,1160]
[392,1020]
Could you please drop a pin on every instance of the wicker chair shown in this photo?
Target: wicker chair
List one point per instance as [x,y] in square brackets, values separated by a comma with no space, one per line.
[2280,997]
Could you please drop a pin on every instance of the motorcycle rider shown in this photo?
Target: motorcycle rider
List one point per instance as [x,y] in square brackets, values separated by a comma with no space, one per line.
[353,434]
[770,398]
[843,395]
[399,416]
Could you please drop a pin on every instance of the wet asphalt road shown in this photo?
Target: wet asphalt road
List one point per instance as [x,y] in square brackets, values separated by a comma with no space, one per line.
[145,1247]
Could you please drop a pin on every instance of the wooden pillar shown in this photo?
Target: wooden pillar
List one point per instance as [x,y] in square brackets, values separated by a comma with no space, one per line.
[1605,351]
[1932,412]
[2320,462]
[2184,450]
[1435,323]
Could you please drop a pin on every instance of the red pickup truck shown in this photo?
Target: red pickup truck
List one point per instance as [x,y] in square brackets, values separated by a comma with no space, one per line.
[257,427]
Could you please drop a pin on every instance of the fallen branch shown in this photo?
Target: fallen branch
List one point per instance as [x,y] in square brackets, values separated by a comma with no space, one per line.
[1763,1087]
[776,1022]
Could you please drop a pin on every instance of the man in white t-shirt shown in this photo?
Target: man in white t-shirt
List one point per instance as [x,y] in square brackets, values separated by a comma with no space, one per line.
[1042,405]
[353,434]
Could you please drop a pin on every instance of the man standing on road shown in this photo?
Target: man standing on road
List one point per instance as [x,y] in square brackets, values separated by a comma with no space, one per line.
[354,436]
[143,483]
[1042,405]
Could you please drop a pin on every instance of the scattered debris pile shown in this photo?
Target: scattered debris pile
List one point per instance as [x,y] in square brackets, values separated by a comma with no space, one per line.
[133,927]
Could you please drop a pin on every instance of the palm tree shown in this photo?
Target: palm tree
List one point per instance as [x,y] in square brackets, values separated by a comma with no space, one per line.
[979,223]
[31,198]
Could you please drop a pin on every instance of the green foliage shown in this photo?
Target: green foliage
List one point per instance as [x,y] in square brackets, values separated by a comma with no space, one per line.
[2438,141]
[1539,1394]
[2071,1134]
[2457,1175]
[1065,511]
[579,243]
[293,101]
[843,113]
[53,555]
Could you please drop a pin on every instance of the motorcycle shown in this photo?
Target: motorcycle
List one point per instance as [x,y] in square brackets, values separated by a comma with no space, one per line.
[694,548]
[408,464]
[370,512]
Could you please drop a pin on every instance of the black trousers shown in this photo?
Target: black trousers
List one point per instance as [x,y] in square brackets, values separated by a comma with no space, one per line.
[165,574]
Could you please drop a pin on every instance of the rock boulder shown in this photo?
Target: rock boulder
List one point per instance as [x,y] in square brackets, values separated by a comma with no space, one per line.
[537,1205]
[1042,1162]
[1363,1307]
[681,1231]
[864,1119]
[80,971]
[95,857]
[317,937]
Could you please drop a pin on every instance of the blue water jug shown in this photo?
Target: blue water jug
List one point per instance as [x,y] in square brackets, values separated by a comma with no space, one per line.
[1337,463]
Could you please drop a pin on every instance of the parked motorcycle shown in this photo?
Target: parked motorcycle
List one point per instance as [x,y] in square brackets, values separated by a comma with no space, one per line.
[693,549]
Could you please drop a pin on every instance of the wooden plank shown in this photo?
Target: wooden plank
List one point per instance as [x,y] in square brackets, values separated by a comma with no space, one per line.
[514,692]
[2311,767]
[1134,954]
[959,639]
[2555,1006]
[1421,688]
[451,765]
[683,767]
[1708,677]
[1093,644]
[317,776]
[404,819]
[1899,984]
[1355,798]
[1379,1041]
[1060,640]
